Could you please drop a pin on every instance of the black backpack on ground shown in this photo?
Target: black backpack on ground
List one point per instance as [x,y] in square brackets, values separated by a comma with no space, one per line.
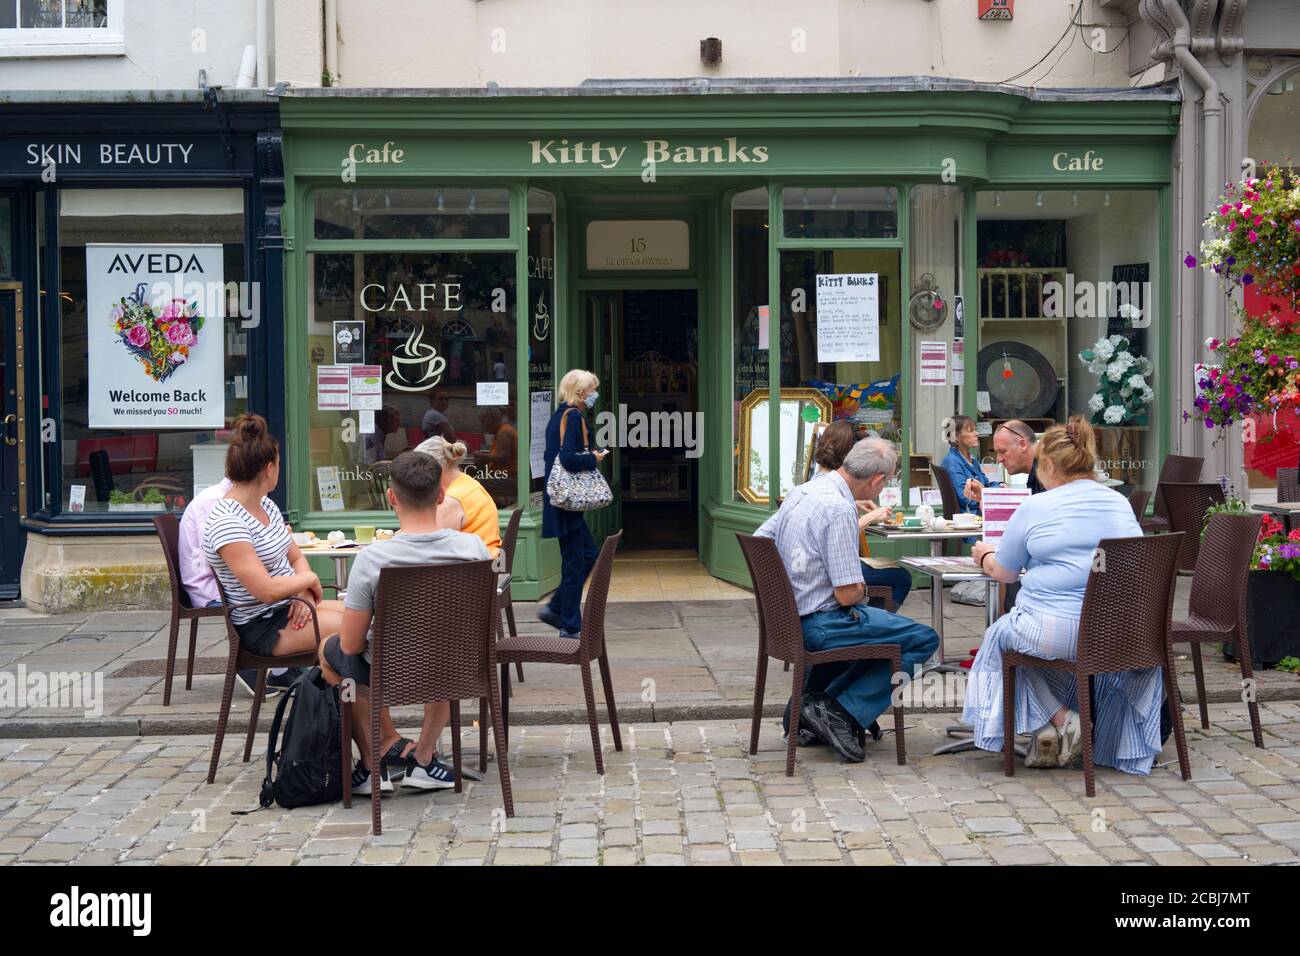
[305,771]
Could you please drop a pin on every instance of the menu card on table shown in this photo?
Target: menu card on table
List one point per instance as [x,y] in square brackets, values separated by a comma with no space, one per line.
[999,505]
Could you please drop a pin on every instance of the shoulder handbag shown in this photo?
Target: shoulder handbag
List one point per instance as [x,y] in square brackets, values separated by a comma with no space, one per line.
[581,490]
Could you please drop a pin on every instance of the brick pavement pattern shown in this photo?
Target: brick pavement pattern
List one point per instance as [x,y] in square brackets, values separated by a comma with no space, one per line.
[680,793]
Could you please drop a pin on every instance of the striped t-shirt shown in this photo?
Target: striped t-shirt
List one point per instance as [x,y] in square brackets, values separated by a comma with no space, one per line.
[229,522]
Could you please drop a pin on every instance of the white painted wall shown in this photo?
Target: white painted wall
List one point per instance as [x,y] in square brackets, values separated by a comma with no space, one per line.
[167,43]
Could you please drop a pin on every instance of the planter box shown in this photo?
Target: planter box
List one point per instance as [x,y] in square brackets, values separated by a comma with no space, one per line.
[1272,610]
[136,506]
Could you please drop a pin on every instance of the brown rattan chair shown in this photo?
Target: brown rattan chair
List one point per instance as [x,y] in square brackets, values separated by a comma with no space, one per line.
[1138,499]
[169,535]
[433,637]
[1179,469]
[508,544]
[240,659]
[553,649]
[1187,504]
[780,635]
[1288,484]
[1124,626]
[1217,610]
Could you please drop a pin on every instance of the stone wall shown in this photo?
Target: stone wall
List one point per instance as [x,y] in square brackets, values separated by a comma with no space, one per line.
[71,573]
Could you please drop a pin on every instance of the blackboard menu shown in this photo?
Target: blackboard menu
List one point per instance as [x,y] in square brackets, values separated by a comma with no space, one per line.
[1132,283]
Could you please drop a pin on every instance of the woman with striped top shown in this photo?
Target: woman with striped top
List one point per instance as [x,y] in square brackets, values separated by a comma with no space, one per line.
[250,550]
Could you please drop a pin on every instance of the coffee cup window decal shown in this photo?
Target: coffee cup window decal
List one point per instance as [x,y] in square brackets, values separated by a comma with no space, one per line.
[541,319]
[417,366]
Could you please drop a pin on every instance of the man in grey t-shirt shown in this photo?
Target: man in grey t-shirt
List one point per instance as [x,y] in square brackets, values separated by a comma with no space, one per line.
[435,421]
[415,493]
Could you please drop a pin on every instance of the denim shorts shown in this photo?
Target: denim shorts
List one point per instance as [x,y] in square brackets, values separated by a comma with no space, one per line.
[259,635]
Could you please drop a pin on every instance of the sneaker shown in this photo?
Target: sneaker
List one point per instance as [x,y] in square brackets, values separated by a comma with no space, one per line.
[282,682]
[549,617]
[248,680]
[807,737]
[1071,732]
[1044,747]
[436,775]
[361,778]
[576,635]
[824,716]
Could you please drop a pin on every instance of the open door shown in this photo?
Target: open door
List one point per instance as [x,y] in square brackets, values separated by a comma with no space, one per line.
[602,312]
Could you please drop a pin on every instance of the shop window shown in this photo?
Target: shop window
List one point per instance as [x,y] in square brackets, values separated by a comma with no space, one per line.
[541,328]
[412,213]
[1059,272]
[749,309]
[404,346]
[145,350]
[839,212]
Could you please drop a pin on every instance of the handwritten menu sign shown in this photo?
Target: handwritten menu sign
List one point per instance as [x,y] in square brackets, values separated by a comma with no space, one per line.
[848,317]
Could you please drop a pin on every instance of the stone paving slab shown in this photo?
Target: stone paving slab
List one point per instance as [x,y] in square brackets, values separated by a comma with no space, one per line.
[678,793]
[671,660]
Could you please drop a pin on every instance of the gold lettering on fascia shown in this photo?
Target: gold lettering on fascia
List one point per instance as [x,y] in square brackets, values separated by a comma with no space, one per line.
[563,152]
[1089,162]
[360,153]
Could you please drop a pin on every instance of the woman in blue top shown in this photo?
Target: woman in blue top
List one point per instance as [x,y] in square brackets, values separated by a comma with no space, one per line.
[578,390]
[1053,537]
[959,432]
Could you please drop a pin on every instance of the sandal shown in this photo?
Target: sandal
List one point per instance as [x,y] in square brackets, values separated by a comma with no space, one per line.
[397,754]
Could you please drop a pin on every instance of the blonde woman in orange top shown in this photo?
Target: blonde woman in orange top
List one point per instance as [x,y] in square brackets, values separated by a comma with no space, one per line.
[466,504]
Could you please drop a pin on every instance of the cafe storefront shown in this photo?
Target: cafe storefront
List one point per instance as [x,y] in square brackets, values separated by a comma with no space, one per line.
[140,294]
[884,253]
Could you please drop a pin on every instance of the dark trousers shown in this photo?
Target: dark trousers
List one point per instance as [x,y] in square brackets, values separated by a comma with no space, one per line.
[577,555]
[897,579]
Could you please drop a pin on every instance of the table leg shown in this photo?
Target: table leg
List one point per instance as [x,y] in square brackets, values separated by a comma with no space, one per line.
[341,570]
[990,603]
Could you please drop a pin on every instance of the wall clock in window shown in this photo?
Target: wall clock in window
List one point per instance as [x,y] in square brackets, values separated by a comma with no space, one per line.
[1021,383]
[927,309]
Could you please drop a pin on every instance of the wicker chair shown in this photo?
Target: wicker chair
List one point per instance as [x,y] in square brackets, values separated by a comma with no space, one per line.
[433,638]
[169,535]
[239,659]
[1180,469]
[780,635]
[1138,499]
[508,544]
[1187,504]
[553,649]
[1124,626]
[1288,484]
[1218,603]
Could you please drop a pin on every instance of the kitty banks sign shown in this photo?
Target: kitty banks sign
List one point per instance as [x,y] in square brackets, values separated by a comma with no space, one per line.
[650,153]
[156,361]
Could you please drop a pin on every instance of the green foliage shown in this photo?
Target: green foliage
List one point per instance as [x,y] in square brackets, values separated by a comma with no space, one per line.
[1289,664]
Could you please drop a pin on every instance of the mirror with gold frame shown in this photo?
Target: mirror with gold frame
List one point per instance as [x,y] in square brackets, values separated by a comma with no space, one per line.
[753,468]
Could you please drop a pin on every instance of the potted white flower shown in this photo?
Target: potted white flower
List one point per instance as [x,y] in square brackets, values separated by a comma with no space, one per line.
[1123,393]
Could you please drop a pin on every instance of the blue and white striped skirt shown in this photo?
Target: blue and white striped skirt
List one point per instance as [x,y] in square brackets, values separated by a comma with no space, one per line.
[1126,722]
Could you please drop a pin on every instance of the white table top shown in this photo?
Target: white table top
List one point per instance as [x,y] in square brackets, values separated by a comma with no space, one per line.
[919,566]
[898,534]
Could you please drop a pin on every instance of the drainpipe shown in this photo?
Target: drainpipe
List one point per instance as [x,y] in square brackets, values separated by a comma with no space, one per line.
[263,43]
[1211,149]
[332,40]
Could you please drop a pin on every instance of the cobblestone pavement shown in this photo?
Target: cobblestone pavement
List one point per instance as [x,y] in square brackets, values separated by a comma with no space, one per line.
[671,660]
[679,793]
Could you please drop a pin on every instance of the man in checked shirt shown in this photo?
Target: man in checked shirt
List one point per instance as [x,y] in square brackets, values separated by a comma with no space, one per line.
[816,532]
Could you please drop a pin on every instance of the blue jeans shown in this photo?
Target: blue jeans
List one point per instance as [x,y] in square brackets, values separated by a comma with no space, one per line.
[863,688]
[577,555]
[897,579]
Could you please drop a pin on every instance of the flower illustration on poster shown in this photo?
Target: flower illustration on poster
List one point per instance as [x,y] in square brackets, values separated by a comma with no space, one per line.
[160,339]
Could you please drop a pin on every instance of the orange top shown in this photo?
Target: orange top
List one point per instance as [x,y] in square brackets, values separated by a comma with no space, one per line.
[480,511]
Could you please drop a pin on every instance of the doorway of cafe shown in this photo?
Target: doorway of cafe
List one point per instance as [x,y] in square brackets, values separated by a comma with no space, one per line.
[643,344]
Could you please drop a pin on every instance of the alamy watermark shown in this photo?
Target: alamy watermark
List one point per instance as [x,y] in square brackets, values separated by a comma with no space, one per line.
[638,429]
[64,690]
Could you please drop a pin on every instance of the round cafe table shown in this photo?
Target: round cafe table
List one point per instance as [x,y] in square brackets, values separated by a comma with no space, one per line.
[340,557]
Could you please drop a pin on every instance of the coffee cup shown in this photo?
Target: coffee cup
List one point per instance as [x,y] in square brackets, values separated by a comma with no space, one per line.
[363,534]
[912,522]
[964,520]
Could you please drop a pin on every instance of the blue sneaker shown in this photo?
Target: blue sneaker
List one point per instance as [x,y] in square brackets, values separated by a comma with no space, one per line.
[550,618]
[573,634]
[435,776]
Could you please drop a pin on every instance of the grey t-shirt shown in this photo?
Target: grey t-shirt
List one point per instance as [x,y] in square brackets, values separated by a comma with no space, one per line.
[438,547]
[432,421]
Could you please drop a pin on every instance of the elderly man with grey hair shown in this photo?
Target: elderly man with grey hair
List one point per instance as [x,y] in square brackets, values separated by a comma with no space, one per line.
[816,532]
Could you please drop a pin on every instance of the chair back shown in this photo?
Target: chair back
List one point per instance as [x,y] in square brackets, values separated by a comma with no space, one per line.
[1187,504]
[432,634]
[511,539]
[592,642]
[1179,469]
[778,613]
[947,491]
[1288,484]
[169,535]
[1223,569]
[1128,602]
[1138,499]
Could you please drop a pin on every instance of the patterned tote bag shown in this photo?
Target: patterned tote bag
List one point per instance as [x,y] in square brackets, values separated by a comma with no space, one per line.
[577,491]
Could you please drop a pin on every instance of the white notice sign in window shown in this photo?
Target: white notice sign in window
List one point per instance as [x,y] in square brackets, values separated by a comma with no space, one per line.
[848,317]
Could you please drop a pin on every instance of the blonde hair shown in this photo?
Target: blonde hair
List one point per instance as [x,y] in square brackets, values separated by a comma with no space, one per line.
[445,453]
[574,381]
[1071,448]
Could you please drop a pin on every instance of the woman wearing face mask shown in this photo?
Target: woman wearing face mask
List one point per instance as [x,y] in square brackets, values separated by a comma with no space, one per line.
[567,438]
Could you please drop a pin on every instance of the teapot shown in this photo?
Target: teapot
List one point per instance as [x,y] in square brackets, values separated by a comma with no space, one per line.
[926,514]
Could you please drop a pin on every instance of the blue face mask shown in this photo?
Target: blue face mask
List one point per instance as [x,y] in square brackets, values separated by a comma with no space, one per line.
[590,400]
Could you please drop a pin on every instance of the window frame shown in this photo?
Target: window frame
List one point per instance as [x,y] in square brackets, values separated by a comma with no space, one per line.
[27,42]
